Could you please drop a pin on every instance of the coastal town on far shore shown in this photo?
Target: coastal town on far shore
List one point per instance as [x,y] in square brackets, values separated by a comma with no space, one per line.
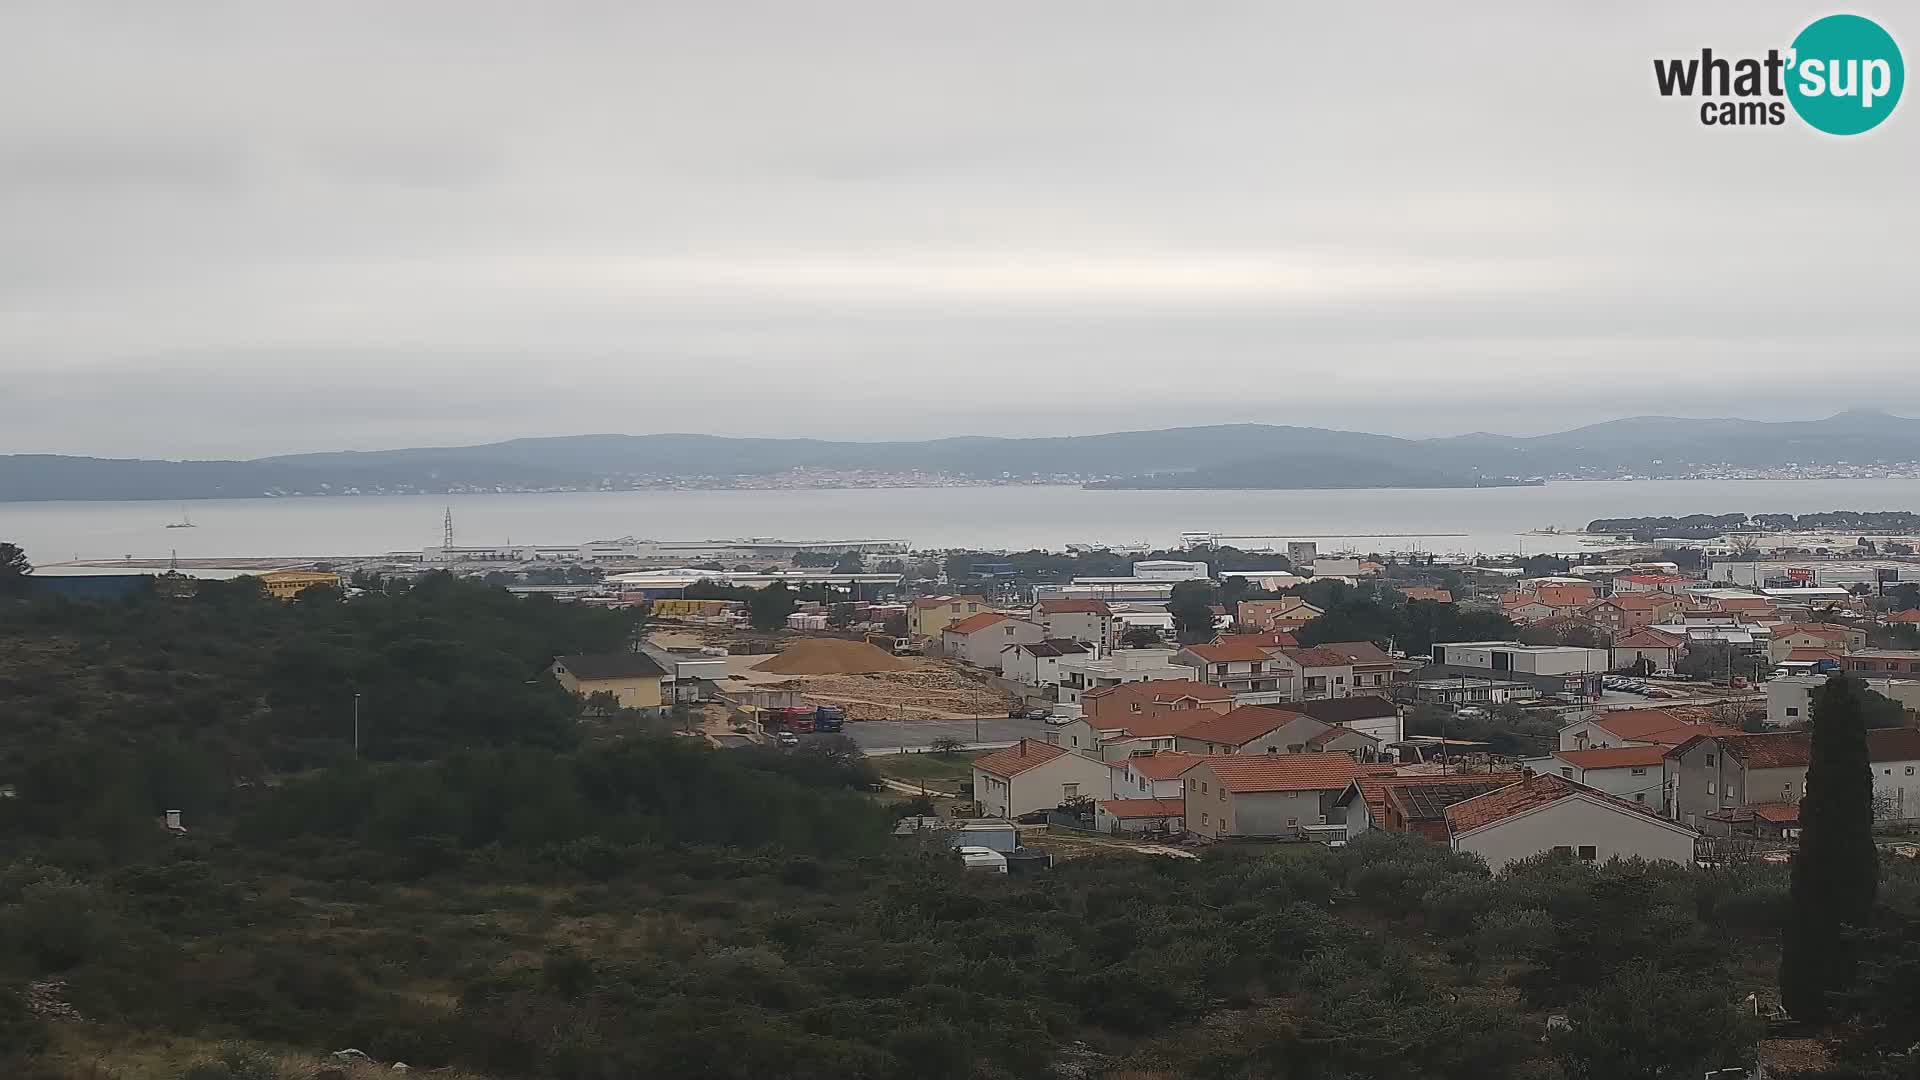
[1653,690]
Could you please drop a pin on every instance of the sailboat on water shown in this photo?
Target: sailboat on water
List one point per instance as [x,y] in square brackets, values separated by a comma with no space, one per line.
[185,522]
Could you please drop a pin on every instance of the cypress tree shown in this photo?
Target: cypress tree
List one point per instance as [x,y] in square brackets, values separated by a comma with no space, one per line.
[1836,871]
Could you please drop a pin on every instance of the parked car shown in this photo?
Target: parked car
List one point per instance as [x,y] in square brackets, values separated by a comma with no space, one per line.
[1039,714]
[1058,721]
[788,738]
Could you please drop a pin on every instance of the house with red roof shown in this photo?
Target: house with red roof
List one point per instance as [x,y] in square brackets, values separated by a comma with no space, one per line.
[1251,729]
[1152,775]
[1666,583]
[1710,773]
[1140,816]
[1261,795]
[1032,775]
[1631,727]
[1826,637]
[1242,667]
[1548,813]
[978,639]
[1624,613]
[1634,773]
[1426,592]
[1338,669]
[1413,802]
[1910,617]
[1655,648]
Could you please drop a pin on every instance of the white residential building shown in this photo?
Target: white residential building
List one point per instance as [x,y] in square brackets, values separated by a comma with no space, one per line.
[1035,776]
[1550,813]
[1037,663]
[978,639]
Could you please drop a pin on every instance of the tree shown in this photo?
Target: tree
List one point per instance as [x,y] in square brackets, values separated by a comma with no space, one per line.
[850,563]
[1836,872]
[945,745]
[840,616]
[897,624]
[1140,637]
[1192,610]
[14,569]
[768,608]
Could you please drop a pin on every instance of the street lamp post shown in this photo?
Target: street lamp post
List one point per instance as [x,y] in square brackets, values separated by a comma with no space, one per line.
[356,724]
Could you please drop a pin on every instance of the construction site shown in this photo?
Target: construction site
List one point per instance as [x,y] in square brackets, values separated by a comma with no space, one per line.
[867,682]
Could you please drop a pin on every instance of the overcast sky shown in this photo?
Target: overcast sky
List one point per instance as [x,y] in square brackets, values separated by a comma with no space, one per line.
[250,228]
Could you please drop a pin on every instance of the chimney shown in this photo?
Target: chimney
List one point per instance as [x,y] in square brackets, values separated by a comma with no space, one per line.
[173,819]
[1023,748]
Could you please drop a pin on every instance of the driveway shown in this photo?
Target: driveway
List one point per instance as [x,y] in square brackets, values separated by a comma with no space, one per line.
[883,736]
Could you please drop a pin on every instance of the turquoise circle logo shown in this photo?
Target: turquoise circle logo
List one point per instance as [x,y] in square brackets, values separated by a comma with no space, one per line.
[1846,74]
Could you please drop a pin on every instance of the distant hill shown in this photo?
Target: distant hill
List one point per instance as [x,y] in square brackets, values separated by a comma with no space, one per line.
[1226,455]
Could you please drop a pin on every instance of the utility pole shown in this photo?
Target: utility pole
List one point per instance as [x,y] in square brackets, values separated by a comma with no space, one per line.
[356,725]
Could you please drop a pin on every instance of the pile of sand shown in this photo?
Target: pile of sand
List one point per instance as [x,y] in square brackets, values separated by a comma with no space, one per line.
[831,656]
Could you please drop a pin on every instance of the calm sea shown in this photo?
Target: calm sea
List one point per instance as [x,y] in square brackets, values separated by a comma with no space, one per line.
[1491,520]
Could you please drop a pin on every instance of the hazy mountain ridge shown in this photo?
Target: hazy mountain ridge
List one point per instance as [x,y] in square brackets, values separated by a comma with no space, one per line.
[1226,455]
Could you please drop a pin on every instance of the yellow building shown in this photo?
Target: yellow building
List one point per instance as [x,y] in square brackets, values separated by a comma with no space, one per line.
[632,678]
[928,615]
[287,584]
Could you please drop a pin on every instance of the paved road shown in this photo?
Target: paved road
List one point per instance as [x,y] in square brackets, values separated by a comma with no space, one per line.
[881,736]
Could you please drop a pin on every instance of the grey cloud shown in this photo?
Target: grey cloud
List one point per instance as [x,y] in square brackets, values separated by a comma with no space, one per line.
[235,229]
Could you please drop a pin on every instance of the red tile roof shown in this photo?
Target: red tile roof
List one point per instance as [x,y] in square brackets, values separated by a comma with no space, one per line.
[973,623]
[1014,760]
[1241,725]
[1910,616]
[1333,733]
[1614,757]
[1809,655]
[1145,808]
[1266,639]
[1253,773]
[1771,749]
[1643,601]
[1825,631]
[1161,690]
[1422,592]
[1068,607]
[1535,791]
[1779,813]
[1164,765]
[1358,652]
[1654,726]
[1237,652]
[1319,656]
[1893,744]
[1373,789]
[1153,723]
[1649,639]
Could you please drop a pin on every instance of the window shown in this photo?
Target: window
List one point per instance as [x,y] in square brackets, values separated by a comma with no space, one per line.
[1203,817]
[1291,822]
[1203,787]
[1909,770]
[1068,791]
[1568,773]
[1562,849]
[1588,853]
[1340,680]
[1792,711]
[1223,794]
[1193,785]
[1637,772]
[1710,790]
[1709,759]
[1639,796]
